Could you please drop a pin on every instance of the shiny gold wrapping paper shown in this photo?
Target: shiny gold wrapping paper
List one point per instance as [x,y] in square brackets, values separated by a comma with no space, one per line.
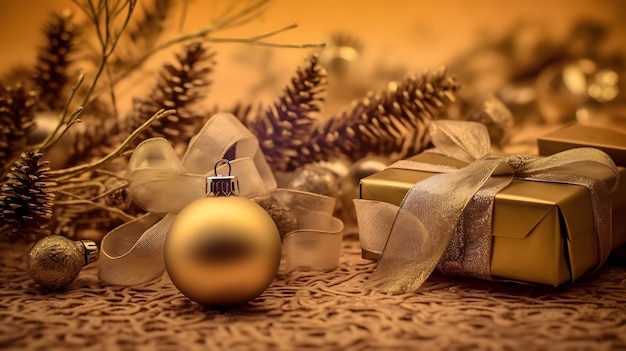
[610,141]
[542,232]
[577,135]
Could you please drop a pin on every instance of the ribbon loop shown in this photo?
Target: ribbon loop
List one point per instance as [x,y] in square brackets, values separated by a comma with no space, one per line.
[461,140]
[163,185]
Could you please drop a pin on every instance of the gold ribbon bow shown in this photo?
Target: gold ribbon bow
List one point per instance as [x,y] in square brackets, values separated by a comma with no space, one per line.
[446,219]
[163,185]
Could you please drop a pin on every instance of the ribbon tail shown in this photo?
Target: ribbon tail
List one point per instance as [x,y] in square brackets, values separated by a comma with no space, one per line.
[316,249]
[316,244]
[374,219]
[424,227]
[133,252]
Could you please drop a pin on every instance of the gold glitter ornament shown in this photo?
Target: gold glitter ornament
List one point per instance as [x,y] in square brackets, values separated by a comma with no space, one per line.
[222,250]
[315,178]
[54,261]
[283,216]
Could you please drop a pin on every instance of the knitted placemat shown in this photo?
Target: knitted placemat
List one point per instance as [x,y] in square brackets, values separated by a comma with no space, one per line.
[313,311]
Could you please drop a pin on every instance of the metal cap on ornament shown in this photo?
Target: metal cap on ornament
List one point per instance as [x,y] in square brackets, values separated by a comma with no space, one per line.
[221,185]
[91,251]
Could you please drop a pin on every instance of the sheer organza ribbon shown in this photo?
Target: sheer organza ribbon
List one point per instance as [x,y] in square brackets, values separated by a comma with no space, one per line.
[445,220]
[163,185]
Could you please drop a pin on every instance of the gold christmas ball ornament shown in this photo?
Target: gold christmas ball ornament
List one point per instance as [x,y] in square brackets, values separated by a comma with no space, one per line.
[493,114]
[54,261]
[222,250]
[282,215]
[316,179]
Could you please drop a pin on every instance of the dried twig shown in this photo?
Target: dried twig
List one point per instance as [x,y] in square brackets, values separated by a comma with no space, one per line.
[247,13]
[63,174]
[77,200]
[103,18]
[84,190]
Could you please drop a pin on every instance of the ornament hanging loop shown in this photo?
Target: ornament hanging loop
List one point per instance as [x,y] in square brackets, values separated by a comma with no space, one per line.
[221,185]
[221,161]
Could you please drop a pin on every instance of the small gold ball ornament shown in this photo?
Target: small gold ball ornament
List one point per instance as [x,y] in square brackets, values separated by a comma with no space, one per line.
[54,261]
[281,214]
[222,251]
[317,179]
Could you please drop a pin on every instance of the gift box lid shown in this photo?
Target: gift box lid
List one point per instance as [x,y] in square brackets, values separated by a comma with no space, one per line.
[577,135]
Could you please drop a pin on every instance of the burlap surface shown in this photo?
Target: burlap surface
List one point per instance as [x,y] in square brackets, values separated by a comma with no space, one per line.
[314,311]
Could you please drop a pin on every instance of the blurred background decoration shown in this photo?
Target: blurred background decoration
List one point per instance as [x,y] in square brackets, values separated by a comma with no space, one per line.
[493,42]
[520,67]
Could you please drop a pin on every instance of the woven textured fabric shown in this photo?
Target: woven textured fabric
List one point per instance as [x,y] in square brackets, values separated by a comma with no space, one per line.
[314,311]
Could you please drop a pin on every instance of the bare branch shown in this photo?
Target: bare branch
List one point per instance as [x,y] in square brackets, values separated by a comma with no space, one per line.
[69,172]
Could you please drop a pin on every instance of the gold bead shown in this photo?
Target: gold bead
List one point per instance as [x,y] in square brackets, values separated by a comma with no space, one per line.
[222,251]
[54,261]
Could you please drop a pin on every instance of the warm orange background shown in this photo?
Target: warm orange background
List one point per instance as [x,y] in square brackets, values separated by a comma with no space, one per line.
[407,34]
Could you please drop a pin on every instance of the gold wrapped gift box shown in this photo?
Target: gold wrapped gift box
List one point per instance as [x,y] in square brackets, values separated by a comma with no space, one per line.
[578,135]
[542,232]
[610,141]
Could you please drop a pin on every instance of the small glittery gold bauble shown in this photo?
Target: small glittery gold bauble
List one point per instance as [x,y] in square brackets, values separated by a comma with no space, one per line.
[222,251]
[315,179]
[496,116]
[55,261]
[283,216]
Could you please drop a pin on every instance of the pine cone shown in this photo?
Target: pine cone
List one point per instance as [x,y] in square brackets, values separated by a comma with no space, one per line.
[392,123]
[26,200]
[284,126]
[53,61]
[247,113]
[179,87]
[150,28]
[16,121]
